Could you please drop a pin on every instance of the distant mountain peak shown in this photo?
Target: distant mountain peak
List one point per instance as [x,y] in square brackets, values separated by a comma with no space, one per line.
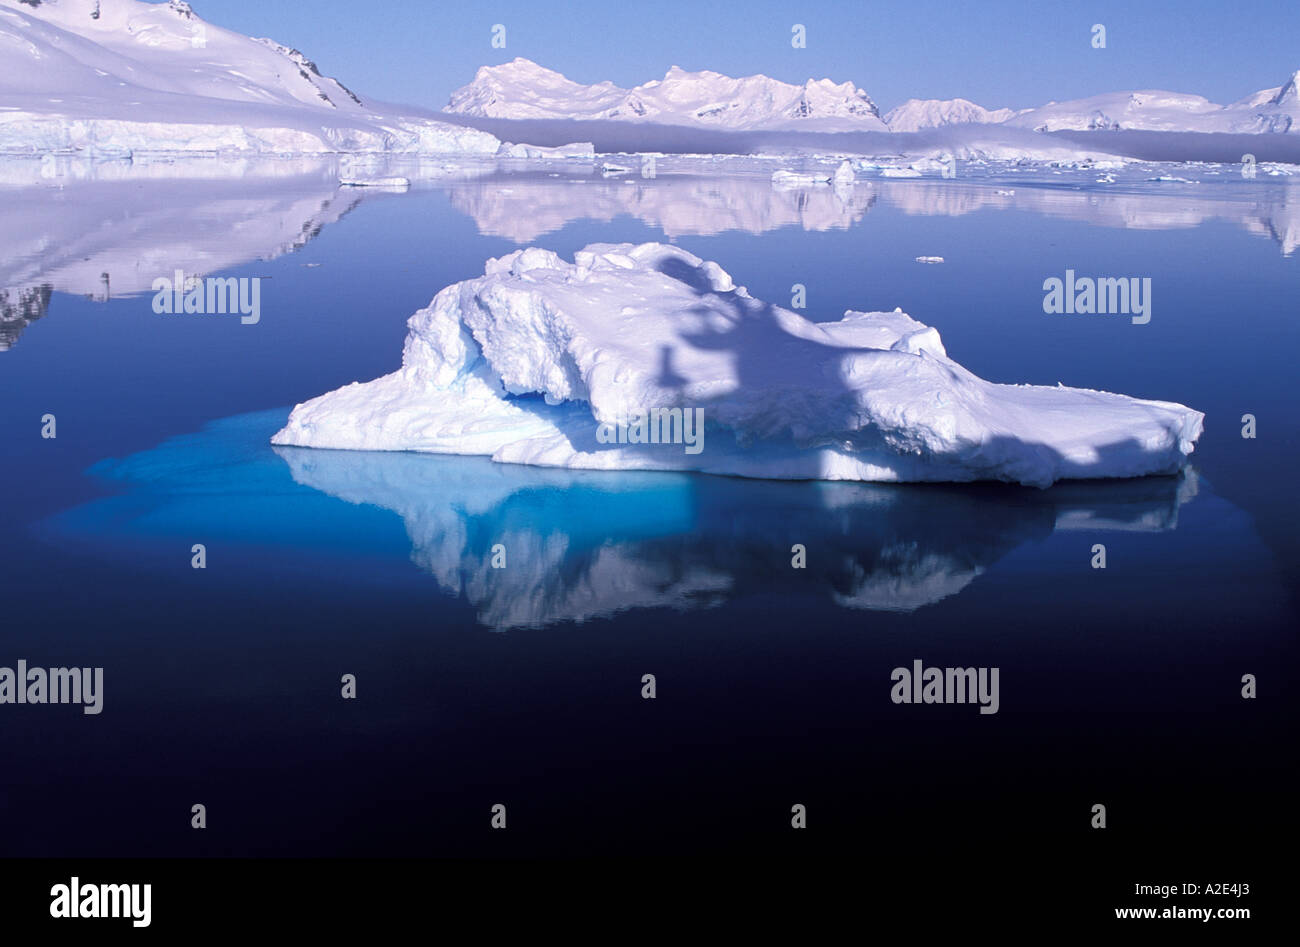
[522,89]
[916,114]
[1289,93]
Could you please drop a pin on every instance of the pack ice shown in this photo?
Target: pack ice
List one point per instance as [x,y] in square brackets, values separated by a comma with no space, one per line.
[528,362]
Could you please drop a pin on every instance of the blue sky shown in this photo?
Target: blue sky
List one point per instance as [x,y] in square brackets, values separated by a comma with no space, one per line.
[997,52]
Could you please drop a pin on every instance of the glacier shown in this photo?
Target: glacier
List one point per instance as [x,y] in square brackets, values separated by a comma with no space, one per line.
[1269,111]
[115,78]
[530,362]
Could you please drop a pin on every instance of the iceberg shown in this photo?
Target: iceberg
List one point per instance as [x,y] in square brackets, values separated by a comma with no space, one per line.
[384,183]
[538,360]
[577,149]
[785,178]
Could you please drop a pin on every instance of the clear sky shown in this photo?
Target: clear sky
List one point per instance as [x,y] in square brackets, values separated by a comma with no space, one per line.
[995,52]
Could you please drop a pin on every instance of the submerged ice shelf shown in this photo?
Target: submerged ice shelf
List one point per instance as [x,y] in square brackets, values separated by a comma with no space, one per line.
[540,360]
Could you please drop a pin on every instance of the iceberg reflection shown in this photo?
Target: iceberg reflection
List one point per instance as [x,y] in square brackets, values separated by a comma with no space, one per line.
[586,544]
[580,544]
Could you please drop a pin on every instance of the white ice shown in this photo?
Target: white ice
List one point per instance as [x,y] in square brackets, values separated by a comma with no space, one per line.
[121,77]
[525,363]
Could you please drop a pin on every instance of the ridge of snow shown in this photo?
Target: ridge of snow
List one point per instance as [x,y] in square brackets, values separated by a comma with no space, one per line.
[915,114]
[522,89]
[1275,110]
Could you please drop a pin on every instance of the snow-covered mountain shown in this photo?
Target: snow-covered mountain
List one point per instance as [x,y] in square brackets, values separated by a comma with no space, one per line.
[522,89]
[915,114]
[1269,110]
[123,75]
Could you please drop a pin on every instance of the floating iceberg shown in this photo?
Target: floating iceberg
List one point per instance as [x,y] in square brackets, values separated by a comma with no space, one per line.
[539,361]
[843,177]
[577,149]
[785,178]
[386,183]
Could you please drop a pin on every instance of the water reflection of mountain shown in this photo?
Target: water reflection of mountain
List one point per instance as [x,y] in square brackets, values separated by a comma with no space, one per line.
[580,545]
[106,235]
[525,207]
[1269,210]
[19,308]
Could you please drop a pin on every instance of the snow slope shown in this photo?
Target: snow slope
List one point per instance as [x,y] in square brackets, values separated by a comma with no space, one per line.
[1270,110]
[915,114]
[521,89]
[122,75]
[625,329]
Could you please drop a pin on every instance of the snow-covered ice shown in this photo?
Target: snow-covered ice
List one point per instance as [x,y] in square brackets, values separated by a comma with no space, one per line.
[121,77]
[577,149]
[785,178]
[390,183]
[1267,111]
[532,361]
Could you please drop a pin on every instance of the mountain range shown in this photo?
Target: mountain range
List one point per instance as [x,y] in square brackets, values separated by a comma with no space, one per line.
[116,77]
[521,89]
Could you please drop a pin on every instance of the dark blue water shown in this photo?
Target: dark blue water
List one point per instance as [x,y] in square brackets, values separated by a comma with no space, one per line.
[522,686]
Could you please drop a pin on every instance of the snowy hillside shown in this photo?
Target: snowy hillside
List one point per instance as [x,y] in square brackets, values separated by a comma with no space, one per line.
[1270,110]
[122,75]
[915,114]
[521,89]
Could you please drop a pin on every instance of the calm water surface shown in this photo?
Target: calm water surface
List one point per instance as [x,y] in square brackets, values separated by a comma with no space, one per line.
[522,685]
